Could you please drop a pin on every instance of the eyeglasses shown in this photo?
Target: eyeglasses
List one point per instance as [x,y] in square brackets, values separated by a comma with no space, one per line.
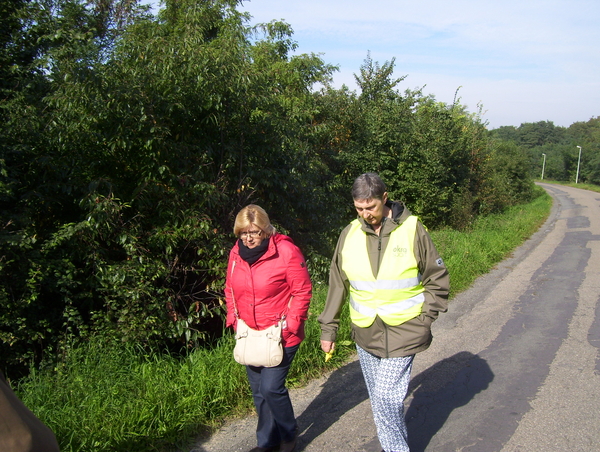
[251,234]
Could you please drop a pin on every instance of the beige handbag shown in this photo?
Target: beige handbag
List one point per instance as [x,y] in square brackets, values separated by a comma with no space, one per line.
[258,348]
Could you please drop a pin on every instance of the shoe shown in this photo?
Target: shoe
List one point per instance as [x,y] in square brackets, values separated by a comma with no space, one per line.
[290,446]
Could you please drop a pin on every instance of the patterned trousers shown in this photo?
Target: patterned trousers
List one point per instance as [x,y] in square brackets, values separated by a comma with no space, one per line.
[387,381]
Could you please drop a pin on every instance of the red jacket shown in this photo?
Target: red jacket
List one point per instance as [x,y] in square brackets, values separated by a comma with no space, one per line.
[263,290]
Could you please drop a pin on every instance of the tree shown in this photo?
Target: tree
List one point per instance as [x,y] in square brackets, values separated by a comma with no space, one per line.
[375,81]
[559,145]
[155,133]
[587,135]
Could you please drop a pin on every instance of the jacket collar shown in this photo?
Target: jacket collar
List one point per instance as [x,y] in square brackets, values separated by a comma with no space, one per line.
[399,213]
[271,250]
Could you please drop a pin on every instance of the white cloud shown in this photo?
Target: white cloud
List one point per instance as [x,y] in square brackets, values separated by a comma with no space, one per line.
[525,61]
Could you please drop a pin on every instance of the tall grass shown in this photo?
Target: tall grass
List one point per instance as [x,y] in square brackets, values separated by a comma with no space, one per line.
[115,397]
[109,396]
[471,254]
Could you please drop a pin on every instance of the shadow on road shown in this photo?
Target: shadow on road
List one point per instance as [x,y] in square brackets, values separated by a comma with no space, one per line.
[439,390]
[436,392]
[334,400]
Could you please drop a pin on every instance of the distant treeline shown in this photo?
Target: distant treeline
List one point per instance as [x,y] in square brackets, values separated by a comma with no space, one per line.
[128,143]
[561,147]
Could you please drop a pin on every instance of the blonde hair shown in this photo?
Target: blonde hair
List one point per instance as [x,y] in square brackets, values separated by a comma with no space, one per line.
[256,215]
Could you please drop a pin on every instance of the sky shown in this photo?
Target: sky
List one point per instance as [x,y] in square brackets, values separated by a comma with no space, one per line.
[516,61]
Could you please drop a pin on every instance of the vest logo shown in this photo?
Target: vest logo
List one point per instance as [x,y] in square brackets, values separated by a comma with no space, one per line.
[399,251]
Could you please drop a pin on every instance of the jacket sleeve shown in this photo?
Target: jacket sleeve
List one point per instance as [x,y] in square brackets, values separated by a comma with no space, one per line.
[300,285]
[434,274]
[21,430]
[230,322]
[336,295]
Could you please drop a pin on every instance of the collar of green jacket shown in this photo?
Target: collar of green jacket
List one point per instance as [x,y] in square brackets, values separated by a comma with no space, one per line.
[399,213]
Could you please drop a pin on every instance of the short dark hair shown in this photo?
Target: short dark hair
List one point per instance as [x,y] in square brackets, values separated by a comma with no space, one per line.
[368,186]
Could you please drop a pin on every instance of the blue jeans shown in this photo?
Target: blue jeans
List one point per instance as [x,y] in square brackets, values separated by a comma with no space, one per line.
[276,420]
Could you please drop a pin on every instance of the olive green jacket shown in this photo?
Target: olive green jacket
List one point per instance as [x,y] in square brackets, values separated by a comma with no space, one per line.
[380,339]
[20,429]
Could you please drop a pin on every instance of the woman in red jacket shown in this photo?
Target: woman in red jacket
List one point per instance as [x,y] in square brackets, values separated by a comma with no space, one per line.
[267,279]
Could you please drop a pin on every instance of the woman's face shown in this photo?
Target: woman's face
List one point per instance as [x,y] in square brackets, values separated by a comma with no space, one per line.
[372,210]
[252,236]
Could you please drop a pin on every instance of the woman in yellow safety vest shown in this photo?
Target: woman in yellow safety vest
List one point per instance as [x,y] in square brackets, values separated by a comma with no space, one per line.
[387,266]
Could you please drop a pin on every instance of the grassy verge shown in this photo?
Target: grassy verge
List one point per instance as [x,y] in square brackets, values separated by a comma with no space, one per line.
[114,397]
[469,255]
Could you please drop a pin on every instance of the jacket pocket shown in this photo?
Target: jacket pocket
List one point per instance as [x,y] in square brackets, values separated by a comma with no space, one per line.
[294,328]
[411,336]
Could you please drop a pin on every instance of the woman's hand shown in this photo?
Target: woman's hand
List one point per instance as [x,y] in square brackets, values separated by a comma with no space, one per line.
[327,346]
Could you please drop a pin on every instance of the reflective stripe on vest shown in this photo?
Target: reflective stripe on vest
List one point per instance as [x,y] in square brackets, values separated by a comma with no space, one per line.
[396,295]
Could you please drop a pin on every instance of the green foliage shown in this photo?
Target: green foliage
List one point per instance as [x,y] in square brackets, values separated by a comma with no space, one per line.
[531,135]
[559,144]
[443,165]
[507,181]
[129,142]
[587,135]
[109,396]
[375,81]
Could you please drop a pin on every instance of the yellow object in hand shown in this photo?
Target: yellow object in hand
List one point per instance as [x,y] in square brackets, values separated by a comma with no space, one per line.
[329,354]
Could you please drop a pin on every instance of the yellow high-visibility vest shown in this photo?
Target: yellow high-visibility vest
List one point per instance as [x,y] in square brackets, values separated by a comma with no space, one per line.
[396,293]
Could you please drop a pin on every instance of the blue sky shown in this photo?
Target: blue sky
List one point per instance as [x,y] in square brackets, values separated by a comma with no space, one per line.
[520,60]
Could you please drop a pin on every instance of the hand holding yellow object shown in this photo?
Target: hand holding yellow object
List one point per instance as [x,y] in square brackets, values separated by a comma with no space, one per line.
[328,347]
[329,354]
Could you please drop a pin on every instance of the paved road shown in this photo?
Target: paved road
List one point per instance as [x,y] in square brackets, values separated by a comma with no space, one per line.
[514,367]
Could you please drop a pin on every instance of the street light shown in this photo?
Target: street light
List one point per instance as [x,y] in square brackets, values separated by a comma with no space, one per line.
[578,162]
[543,166]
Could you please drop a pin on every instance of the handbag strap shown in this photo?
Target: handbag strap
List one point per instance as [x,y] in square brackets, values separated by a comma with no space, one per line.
[235,309]
[288,307]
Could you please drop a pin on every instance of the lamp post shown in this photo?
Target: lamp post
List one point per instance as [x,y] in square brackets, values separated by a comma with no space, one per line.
[543,166]
[578,162]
